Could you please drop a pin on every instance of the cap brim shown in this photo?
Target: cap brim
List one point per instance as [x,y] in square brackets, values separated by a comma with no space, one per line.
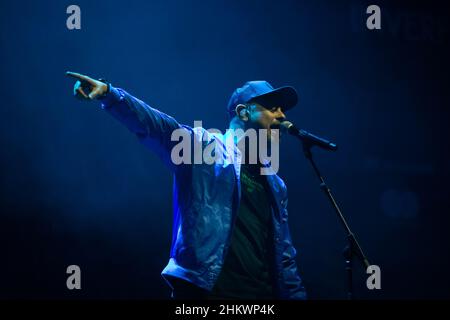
[284,97]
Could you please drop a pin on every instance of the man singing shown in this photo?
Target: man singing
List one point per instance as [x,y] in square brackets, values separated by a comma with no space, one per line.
[230,235]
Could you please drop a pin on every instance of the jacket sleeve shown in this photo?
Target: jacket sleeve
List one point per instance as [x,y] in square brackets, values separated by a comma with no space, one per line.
[152,127]
[293,285]
[292,282]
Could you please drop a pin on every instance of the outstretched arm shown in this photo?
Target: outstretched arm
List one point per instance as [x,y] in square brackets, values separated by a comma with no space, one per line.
[152,127]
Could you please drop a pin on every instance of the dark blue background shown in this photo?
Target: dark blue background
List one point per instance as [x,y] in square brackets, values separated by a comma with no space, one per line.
[78,188]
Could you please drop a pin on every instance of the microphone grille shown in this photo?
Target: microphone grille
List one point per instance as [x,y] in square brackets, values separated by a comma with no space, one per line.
[286,125]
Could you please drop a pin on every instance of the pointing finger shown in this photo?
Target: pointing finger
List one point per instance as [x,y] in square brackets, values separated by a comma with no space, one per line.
[81,77]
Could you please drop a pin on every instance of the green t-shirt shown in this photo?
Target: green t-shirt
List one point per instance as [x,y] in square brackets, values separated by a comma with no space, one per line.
[246,273]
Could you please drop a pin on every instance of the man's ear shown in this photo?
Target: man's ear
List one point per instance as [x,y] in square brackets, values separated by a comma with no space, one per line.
[242,112]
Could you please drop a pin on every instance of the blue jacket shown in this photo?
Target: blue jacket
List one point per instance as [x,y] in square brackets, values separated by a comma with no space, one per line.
[206,199]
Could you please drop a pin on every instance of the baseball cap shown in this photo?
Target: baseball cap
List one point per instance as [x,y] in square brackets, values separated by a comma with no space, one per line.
[262,92]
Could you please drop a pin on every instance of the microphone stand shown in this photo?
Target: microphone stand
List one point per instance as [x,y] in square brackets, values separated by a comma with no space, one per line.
[353,247]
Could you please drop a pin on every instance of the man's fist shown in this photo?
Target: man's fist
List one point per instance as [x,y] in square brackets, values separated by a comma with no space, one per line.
[87,88]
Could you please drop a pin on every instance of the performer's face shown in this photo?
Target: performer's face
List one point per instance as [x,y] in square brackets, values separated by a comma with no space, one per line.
[265,118]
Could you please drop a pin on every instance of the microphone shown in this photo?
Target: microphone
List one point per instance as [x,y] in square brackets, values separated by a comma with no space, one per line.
[307,137]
